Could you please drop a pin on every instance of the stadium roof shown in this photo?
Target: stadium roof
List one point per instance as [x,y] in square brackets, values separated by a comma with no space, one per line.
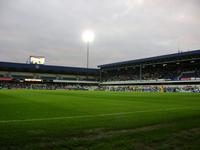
[10,66]
[157,59]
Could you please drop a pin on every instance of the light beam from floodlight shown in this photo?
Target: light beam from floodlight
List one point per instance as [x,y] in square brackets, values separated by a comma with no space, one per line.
[88,37]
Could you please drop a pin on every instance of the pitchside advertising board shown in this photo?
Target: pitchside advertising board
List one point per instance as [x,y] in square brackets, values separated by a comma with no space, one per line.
[36,60]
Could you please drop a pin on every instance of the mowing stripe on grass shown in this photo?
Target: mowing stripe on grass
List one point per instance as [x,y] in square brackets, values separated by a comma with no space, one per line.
[92,116]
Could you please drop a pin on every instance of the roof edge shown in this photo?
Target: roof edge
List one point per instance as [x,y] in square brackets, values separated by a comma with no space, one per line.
[148,58]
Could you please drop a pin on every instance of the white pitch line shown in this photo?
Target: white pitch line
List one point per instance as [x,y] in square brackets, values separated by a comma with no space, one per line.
[91,116]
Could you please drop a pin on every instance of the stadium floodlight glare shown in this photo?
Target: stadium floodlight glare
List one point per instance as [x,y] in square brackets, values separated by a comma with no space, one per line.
[88,37]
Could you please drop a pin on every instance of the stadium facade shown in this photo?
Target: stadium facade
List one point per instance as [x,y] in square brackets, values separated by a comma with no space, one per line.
[172,69]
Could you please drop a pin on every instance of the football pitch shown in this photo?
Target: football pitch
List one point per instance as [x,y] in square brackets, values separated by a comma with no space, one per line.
[58,120]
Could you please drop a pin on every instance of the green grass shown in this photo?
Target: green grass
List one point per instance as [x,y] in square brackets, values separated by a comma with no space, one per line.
[98,120]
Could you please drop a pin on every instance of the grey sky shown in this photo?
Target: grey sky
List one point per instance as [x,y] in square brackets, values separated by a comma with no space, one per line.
[124,29]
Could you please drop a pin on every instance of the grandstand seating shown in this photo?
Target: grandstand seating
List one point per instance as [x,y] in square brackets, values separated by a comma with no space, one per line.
[179,67]
[168,67]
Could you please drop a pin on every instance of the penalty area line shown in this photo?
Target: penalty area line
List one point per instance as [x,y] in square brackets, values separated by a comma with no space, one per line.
[92,116]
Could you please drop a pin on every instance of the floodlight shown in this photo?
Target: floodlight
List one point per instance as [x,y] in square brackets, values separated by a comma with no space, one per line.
[88,36]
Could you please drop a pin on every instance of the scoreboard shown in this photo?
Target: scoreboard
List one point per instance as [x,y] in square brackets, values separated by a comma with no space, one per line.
[36,60]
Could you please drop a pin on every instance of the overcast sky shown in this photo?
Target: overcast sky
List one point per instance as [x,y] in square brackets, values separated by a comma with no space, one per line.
[124,29]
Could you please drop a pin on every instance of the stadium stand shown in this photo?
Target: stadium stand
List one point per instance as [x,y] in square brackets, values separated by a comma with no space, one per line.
[179,72]
[173,67]
[169,73]
[34,76]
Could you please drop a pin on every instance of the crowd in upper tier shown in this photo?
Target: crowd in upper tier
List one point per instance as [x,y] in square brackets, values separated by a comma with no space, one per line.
[180,71]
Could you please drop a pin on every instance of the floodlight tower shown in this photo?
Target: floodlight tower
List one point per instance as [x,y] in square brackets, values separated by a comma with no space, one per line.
[88,37]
